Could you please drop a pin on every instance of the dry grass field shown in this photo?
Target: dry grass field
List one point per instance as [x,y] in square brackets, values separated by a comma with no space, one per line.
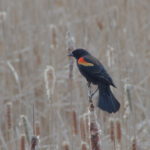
[44,103]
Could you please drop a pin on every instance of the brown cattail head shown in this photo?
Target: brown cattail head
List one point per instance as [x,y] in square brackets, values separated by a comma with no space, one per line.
[37,129]
[134,145]
[34,142]
[94,129]
[22,142]
[74,123]
[99,24]
[118,131]
[50,79]
[65,146]
[53,36]
[84,146]
[111,130]
[9,115]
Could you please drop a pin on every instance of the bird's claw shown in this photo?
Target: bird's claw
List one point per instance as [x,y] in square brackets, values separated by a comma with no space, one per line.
[90,93]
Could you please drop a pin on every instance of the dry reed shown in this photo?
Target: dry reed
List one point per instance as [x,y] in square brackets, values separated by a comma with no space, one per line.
[25,127]
[53,36]
[9,124]
[134,145]
[111,130]
[9,115]
[118,131]
[50,79]
[70,42]
[74,123]
[37,128]
[82,129]
[94,129]
[22,143]
[84,146]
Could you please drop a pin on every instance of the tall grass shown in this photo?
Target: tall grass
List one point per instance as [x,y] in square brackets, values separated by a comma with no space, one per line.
[36,34]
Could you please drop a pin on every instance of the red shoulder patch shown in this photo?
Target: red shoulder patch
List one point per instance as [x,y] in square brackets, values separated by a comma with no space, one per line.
[83,62]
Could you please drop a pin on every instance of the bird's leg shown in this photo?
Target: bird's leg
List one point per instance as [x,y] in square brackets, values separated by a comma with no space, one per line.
[89,91]
[94,92]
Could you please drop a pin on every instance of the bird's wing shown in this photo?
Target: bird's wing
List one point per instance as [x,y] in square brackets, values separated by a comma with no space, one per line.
[97,70]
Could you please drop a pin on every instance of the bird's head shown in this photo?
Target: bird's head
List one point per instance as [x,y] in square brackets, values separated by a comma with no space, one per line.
[77,53]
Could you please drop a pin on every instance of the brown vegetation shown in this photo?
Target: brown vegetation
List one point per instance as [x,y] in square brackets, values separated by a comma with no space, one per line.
[44,100]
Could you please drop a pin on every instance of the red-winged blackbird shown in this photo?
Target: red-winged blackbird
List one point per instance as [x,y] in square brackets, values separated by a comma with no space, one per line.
[95,73]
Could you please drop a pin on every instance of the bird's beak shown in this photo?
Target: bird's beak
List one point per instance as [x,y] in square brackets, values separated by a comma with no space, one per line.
[70,54]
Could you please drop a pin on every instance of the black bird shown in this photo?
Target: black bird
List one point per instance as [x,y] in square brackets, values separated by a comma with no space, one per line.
[95,73]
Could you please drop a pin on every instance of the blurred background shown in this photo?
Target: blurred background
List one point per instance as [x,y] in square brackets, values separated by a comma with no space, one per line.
[40,95]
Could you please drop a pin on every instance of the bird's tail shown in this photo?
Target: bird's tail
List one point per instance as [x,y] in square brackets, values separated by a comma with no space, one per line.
[107,100]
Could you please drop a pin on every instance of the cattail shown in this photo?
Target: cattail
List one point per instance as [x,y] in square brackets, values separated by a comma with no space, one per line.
[70,41]
[15,74]
[50,79]
[110,57]
[34,142]
[25,127]
[112,134]
[127,88]
[9,115]
[65,145]
[127,110]
[2,16]
[84,146]
[53,36]
[22,142]
[94,129]
[37,129]
[99,24]
[74,123]
[127,104]
[82,129]
[134,145]
[9,124]
[118,131]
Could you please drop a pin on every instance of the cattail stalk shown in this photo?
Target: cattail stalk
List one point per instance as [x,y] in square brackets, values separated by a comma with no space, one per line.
[94,129]
[134,145]
[70,47]
[34,142]
[25,127]
[22,142]
[74,123]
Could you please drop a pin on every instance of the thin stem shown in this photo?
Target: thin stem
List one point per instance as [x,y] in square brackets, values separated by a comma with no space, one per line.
[90,93]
